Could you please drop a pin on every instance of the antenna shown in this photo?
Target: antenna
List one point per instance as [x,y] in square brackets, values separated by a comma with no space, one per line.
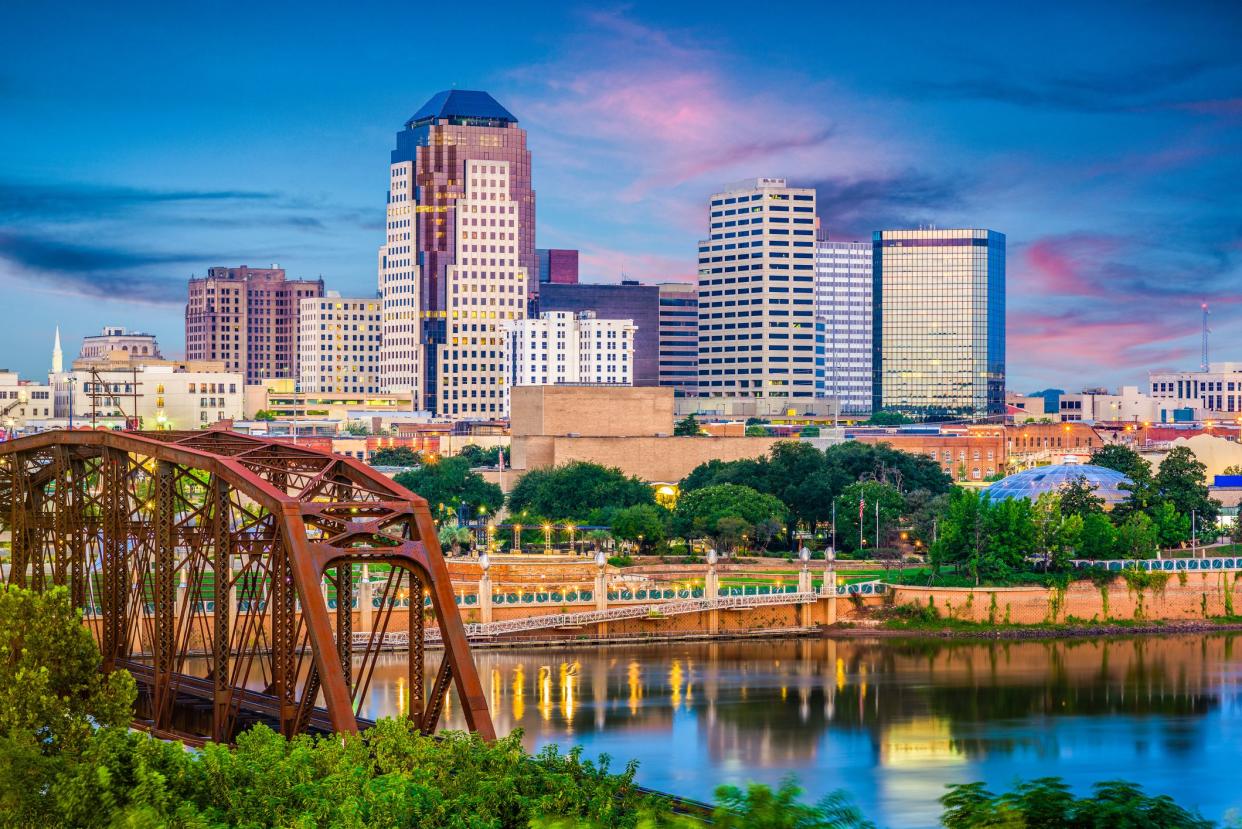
[1206,331]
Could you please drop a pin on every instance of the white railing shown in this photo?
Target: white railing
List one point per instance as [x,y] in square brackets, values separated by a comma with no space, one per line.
[591,617]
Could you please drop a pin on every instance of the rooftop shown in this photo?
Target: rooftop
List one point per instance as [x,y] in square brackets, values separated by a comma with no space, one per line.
[472,107]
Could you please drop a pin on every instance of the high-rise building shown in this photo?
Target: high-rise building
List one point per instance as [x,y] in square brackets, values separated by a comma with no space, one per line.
[843,307]
[562,347]
[679,337]
[938,299]
[459,258]
[340,344]
[248,319]
[558,266]
[640,304]
[757,292]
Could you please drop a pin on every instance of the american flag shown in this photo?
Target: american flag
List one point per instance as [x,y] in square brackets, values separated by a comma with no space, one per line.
[862,504]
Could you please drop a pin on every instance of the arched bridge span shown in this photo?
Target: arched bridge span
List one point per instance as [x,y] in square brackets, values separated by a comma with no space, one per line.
[205,560]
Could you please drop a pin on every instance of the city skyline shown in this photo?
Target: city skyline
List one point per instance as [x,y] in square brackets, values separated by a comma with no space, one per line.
[1111,173]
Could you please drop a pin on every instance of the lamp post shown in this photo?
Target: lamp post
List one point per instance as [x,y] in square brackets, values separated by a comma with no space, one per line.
[570,529]
[485,589]
[711,588]
[517,538]
[830,571]
[547,539]
[601,581]
[804,575]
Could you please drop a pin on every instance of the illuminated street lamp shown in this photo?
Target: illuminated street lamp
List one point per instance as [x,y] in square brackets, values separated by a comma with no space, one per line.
[517,538]
[547,538]
[570,529]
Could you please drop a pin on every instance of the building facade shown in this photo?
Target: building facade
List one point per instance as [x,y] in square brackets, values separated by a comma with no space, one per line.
[557,266]
[938,317]
[756,287]
[340,344]
[564,348]
[639,304]
[150,395]
[459,261]
[679,337]
[115,338]
[22,402]
[1217,391]
[965,454]
[843,281]
[248,319]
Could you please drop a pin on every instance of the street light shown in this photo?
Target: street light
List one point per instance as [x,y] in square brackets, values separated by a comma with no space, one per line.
[547,538]
[517,538]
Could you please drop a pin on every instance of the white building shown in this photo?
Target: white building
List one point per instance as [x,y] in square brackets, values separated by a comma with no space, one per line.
[339,344]
[23,402]
[560,347]
[160,395]
[843,305]
[1218,391]
[116,338]
[757,292]
[1128,405]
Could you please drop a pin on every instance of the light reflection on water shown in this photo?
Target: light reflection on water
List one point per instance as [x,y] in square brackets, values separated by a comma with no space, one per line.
[890,721]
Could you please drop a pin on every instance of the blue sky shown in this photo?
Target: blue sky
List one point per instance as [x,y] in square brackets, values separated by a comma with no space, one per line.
[141,143]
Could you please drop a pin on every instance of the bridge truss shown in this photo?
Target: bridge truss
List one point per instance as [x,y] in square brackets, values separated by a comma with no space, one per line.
[140,526]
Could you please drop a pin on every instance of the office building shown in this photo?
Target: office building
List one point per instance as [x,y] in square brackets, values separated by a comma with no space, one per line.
[340,344]
[640,304]
[1218,391]
[557,266]
[115,338]
[679,337]
[843,277]
[247,318]
[757,292]
[570,348]
[459,258]
[938,299]
[151,395]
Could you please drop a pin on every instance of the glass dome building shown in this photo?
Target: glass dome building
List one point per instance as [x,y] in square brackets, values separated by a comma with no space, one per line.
[1030,483]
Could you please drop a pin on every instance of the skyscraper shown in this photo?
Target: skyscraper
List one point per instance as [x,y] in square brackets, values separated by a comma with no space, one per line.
[939,322]
[640,304]
[247,317]
[576,348]
[757,292]
[340,344]
[843,307]
[459,258]
[679,337]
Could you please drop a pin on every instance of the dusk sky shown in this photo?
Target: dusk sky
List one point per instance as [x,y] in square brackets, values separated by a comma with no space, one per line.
[140,144]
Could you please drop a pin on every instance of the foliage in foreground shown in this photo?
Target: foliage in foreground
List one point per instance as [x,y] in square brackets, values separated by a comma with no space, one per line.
[1046,803]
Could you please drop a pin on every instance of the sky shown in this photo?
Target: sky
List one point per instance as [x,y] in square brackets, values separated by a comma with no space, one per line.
[142,143]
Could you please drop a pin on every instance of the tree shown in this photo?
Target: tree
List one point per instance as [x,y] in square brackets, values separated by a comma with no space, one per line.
[571,492]
[961,534]
[358,429]
[756,431]
[725,513]
[688,426]
[646,524]
[888,419]
[751,472]
[1125,460]
[809,432]
[1010,537]
[264,414]
[396,456]
[1137,537]
[797,474]
[1078,498]
[1098,539]
[1047,802]
[924,512]
[864,497]
[450,486]
[1172,528]
[1182,481]
[478,456]
[454,536]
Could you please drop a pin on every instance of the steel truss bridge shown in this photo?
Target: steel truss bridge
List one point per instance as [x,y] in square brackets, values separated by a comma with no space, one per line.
[135,523]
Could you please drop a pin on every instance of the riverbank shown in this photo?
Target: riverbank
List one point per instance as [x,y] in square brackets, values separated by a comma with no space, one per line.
[953,629]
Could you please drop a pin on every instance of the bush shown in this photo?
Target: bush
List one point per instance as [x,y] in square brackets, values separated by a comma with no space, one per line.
[620,561]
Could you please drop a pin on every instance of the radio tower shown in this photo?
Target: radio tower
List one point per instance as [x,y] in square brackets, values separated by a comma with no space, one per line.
[1206,330]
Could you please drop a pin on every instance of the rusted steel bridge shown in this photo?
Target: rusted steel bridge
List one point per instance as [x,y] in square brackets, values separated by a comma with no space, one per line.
[140,526]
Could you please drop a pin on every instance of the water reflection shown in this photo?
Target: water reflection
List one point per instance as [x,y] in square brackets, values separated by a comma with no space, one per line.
[892,721]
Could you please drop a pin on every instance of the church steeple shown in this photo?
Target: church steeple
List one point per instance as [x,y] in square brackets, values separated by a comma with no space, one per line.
[58,357]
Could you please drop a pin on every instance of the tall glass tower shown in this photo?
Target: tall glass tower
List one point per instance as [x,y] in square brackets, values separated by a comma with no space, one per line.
[459,257]
[939,322]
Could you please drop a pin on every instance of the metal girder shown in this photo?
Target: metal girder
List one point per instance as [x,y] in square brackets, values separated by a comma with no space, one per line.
[203,563]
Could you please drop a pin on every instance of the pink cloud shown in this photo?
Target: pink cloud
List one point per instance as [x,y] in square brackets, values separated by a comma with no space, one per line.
[1070,265]
[1073,340]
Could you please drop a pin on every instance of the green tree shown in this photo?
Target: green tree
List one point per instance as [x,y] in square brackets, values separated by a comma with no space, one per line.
[1137,537]
[358,429]
[1010,537]
[1172,528]
[751,472]
[645,524]
[396,456]
[797,474]
[479,456]
[454,537]
[724,513]
[924,512]
[756,431]
[450,487]
[1182,481]
[573,491]
[688,426]
[809,432]
[1098,539]
[758,807]
[264,414]
[1047,803]
[1125,460]
[1078,498]
[961,534]
[888,419]
[866,497]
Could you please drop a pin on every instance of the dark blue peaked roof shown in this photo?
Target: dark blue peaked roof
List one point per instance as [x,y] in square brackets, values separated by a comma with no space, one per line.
[462,104]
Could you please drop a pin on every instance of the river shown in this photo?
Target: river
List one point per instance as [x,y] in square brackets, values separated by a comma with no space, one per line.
[890,721]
